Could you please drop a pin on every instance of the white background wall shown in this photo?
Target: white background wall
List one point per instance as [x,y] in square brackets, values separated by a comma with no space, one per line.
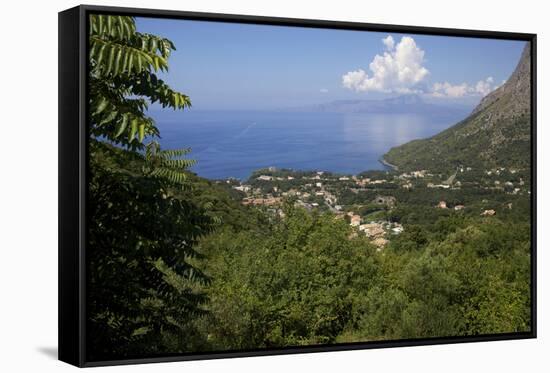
[28,184]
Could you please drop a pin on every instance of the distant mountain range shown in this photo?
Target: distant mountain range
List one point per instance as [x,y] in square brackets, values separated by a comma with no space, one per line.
[405,104]
[496,134]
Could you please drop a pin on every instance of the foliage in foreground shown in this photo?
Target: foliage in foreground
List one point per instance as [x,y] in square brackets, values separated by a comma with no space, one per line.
[305,278]
[123,80]
[144,289]
[306,281]
[176,264]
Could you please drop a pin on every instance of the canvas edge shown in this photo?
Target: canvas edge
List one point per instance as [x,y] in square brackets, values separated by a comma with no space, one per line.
[70,220]
[72,286]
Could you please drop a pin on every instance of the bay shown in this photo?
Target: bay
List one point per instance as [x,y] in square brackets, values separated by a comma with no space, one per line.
[235,143]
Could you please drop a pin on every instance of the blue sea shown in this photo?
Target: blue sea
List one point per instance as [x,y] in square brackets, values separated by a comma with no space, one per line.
[235,143]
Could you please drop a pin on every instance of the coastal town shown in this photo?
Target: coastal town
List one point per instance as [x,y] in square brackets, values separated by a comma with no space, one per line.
[371,201]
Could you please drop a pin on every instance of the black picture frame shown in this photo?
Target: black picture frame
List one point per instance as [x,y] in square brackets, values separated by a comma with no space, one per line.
[73,142]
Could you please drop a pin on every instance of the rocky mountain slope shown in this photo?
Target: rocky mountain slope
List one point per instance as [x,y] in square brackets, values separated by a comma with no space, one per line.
[496,134]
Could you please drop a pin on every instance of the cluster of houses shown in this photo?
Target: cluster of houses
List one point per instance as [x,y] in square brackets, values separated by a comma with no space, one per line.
[490,212]
[269,201]
[319,177]
[497,171]
[406,179]
[271,178]
[414,175]
[376,231]
[316,188]
[452,183]
[443,205]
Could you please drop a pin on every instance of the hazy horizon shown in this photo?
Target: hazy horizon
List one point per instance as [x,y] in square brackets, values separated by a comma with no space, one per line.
[261,67]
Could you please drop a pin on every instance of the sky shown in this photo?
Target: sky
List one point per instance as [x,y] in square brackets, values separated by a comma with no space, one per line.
[225,66]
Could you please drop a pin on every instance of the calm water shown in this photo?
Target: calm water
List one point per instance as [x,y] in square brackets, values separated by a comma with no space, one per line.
[234,143]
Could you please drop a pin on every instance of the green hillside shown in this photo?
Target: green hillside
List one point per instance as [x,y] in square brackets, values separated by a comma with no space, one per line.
[495,134]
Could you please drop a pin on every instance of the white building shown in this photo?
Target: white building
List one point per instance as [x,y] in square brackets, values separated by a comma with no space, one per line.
[355,221]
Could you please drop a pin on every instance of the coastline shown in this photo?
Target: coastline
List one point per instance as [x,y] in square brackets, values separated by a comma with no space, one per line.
[387,164]
[244,179]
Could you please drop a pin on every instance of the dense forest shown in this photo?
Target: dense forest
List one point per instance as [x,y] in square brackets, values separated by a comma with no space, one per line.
[177,264]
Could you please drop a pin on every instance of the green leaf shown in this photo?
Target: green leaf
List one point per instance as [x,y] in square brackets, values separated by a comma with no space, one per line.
[117,66]
[133,129]
[140,331]
[102,105]
[122,125]
[130,62]
[109,118]
[141,132]
[109,22]
[112,53]
[100,53]
[100,24]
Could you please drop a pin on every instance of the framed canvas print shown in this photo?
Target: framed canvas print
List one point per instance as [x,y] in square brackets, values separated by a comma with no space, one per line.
[239,186]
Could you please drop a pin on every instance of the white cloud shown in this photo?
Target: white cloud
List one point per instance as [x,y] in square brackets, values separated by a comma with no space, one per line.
[354,79]
[484,87]
[448,90]
[388,42]
[399,69]
[323,90]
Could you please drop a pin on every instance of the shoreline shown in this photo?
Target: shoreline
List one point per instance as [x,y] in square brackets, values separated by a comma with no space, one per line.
[388,164]
[381,160]
[244,179]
